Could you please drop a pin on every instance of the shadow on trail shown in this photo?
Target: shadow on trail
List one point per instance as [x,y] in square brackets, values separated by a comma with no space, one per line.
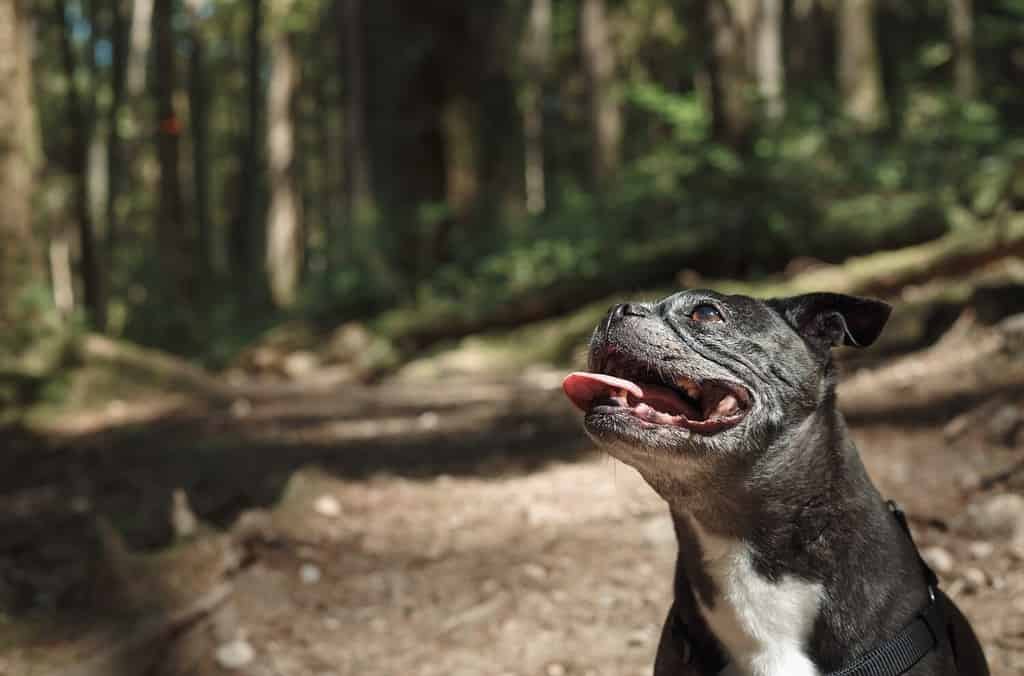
[228,459]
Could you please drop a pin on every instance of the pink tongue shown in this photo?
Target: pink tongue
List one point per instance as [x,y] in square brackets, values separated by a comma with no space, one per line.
[582,388]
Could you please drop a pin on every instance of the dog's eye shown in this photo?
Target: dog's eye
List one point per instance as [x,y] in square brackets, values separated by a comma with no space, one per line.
[706,313]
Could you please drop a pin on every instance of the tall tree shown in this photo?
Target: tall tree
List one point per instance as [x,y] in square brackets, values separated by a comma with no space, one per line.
[285,241]
[605,108]
[198,97]
[358,188]
[20,256]
[536,59]
[961,28]
[79,122]
[119,37]
[246,225]
[139,39]
[860,79]
[173,233]
[767,56]
[729,26]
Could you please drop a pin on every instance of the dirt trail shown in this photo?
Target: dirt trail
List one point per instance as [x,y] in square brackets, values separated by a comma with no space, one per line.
[448,527]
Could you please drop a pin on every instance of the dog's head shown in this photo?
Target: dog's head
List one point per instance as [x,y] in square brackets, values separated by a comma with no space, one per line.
[702,381]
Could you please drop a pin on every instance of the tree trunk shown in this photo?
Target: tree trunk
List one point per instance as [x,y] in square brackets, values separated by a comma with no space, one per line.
[79,124]
[768,62]
[199,121]
[810,60]
[730,24]
[961,28]
[139,37]
[358,187]
[536,58]
[860,80]
[247,224]
[173,235]
[459,131]
[284,227]
[115,157]
[605,110]
[20,255]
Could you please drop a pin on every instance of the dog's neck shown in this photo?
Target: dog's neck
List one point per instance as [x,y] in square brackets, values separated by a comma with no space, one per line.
[783,561]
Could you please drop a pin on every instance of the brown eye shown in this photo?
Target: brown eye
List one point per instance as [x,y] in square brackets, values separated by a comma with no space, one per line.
[706,313]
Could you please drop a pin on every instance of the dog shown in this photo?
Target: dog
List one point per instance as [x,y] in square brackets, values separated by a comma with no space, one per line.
[790,562]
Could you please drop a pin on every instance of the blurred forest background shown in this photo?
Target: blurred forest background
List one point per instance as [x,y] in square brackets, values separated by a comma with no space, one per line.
[186,174]
[287,290]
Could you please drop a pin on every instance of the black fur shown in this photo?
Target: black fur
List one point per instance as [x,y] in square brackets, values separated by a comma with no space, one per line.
[787,480]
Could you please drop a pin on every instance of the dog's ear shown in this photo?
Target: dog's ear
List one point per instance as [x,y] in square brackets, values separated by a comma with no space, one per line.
[833,319]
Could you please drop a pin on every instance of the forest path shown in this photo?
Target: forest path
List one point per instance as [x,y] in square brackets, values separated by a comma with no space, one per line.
[460,526]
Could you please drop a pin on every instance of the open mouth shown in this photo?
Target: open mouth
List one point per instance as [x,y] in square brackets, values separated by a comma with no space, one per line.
[707,406]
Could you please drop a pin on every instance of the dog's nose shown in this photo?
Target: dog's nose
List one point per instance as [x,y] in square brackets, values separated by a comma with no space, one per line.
[629,310]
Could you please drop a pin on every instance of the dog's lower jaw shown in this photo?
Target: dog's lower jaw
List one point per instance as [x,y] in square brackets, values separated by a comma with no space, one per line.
[763,625]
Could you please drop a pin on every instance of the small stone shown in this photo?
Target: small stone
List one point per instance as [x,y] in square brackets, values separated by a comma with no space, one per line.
[300,364]
[327,505]
[956,427]
[980,549]
[1005,424]
[999,516]
[555,669]
[234,654]
[183,519]
[638,638]
[80,504]
[535,571]
[428,420]
[241,408]
[974,580]
[332,623]
[938,558]
[309,573]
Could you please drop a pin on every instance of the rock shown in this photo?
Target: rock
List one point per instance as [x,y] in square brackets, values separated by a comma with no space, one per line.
[300,364]
[348,341]
[999,516]
[327,505]
[241,408]
[638,638]
[975,579]
[939,559]
[1005,425]
[309,573]
[428,420]
[183,519]
[535,571]
[235,654]
[956,427]
[980,549]
[555,669]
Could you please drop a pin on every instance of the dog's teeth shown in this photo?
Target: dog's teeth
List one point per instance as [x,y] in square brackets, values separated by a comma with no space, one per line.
[689,387]
[727,405]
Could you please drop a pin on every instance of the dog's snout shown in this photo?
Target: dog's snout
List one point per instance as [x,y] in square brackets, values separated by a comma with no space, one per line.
[630,310]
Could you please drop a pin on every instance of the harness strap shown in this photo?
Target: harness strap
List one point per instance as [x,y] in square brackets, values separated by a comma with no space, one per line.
[890,658]
[914,641]
[903,651]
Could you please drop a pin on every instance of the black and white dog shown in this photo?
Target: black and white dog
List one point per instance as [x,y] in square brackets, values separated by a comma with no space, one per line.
[790,562]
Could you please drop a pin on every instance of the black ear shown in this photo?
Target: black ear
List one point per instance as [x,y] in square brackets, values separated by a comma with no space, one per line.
[833,319]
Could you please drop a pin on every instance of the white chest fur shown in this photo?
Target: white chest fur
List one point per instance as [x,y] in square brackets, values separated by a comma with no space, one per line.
[763,625]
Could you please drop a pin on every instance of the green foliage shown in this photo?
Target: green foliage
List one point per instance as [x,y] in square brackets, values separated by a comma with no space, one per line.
[417,261]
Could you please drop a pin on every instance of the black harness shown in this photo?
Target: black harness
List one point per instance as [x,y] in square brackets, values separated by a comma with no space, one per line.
[893,657]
